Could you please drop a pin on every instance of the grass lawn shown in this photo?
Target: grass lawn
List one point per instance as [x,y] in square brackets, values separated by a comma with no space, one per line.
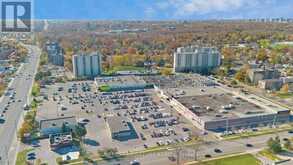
[105,88]
[162,148]
[266,153]
[285,95]
[21,157]
[124,68]
[257,133]
[246,159]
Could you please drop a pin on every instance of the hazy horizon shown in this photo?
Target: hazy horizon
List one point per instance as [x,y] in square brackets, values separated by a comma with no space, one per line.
[162,9]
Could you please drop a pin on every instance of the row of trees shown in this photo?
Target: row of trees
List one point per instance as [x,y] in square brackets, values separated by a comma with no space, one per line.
[2,88]
[29,126]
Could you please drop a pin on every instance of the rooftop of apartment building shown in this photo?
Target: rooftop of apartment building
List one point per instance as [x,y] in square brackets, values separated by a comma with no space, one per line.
[82,53]
[195,48]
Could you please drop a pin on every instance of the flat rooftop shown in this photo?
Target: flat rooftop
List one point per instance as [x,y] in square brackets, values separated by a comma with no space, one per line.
[189,91]
[57,122]
[214,103]
[118,124]
[179,81]
[119,80]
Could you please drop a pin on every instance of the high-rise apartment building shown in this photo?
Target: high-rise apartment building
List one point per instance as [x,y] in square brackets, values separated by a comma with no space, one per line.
[55,53]
[87,65]
[196,59]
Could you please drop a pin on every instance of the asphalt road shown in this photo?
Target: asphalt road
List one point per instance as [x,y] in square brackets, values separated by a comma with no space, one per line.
[188,154]
[21,85]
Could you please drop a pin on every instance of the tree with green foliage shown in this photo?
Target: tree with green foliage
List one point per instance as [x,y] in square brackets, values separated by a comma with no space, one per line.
[44,59]
[80,131]
[161,63]
[264,43]
[108,153]
[42,75]
[28,126]
[289,72]
[36,89]
[65,128]
[274,145]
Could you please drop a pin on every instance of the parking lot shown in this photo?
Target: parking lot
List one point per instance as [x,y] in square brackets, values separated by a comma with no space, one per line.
[154,122]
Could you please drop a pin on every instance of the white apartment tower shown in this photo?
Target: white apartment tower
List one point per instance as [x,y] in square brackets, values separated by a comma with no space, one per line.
[196,59]
[87,65]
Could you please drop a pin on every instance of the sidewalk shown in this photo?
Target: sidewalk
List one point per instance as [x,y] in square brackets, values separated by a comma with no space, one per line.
[253,152]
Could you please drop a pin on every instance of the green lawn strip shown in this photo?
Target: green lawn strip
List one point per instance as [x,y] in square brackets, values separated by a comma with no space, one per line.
[124,68]
[244,159]
[256,133]
[268,154]
[285,95]
[76,161]
[161,148]
[21,157]
[146,151]
[105,88]
[36,90]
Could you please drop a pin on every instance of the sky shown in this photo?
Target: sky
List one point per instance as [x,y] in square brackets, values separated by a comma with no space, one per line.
[161,9]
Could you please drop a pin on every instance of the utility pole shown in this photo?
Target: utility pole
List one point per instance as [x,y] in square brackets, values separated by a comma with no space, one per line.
[196,147]
[227,126]
[178,150]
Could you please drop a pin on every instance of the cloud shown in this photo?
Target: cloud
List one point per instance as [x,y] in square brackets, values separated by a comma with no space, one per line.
[200,7]
[162,5]
[149,12]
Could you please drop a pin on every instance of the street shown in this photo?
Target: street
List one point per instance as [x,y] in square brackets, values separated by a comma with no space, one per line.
[21,85]
[188,154]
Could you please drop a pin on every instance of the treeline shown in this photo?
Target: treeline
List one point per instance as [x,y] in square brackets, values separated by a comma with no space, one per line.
[160,43]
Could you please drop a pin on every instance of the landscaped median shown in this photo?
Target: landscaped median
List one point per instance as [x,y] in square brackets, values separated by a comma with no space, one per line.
[240,159]
[36,89]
